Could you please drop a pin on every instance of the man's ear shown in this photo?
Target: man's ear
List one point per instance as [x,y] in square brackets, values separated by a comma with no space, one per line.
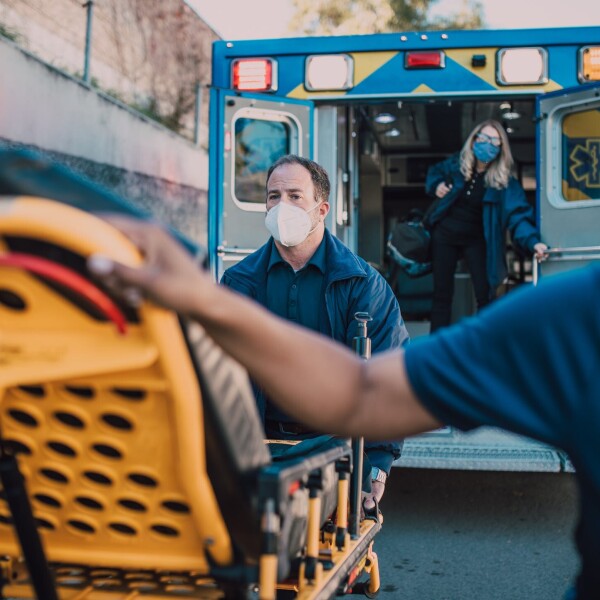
[324,209]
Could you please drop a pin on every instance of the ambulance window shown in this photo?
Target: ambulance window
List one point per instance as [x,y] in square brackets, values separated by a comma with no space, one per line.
[258,144]
[580,138]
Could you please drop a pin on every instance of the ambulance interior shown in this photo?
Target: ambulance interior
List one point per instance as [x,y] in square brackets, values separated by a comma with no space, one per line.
[397,142]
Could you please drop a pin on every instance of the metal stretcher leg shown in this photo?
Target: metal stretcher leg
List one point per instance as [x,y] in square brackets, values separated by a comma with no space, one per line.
[268,558]
[311,570]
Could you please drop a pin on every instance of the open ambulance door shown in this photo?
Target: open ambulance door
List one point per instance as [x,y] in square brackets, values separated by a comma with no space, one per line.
[248,133]
[568,167]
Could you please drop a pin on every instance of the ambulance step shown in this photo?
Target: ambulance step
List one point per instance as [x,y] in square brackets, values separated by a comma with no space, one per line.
[479,458]
[484,449]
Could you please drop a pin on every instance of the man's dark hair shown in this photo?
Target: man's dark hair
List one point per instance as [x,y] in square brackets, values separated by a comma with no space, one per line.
[318,174]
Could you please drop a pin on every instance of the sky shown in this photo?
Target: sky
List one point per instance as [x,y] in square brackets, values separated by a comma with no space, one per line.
[252,19]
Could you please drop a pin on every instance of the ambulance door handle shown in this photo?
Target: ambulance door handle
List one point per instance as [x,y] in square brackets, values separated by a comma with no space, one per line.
[564,254]
[224,250]
[341,210]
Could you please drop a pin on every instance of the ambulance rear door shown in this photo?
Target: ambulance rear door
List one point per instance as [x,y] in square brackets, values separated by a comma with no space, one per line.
[568,168]
[248,133]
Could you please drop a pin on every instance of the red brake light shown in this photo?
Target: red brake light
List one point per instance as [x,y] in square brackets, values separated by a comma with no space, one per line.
[425,60]
[254,74]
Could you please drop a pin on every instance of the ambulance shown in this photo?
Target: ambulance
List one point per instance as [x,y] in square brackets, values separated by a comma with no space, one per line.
[377,111]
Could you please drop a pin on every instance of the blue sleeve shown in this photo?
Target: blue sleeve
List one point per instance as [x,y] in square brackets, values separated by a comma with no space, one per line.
[439,172]
[519,217]
[527,363]
[237,284]
[374,296]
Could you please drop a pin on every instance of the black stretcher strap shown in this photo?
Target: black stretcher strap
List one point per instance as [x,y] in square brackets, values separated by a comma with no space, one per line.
[13,483]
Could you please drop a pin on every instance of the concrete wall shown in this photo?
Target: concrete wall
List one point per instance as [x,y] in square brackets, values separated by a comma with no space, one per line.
[148,52]
[44,109]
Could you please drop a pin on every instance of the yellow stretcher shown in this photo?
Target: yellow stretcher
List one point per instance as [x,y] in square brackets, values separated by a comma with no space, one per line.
[133,461]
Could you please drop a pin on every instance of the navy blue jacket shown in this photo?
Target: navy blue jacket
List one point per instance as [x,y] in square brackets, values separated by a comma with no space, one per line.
[351,285]
[502,209]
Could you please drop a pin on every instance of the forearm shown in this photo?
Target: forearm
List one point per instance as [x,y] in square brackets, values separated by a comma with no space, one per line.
[314,379]
[297,369]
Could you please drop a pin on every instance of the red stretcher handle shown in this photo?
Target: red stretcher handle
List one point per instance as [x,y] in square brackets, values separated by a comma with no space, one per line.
[71,280]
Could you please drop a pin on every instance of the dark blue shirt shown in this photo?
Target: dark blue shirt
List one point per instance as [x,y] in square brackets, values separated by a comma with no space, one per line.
[464,220]
[529,364]
[297,296]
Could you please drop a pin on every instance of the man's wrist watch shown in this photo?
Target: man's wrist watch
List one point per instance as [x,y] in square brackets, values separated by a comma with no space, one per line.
[378,474]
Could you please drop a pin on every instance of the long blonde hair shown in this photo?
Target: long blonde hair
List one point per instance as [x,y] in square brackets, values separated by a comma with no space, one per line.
[498,172]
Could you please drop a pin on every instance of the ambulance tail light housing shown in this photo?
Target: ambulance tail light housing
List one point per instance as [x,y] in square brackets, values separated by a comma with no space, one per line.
[254,75]
[589,64]
[433,59]
[522,66]
[329,72]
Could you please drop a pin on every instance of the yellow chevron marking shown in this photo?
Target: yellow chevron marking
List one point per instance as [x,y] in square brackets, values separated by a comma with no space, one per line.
[422,89]
[365,64]
[584,124]
[463,58]
[300,93]
[551,86]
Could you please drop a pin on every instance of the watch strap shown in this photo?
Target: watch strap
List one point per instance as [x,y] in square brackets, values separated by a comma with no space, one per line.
[378,474]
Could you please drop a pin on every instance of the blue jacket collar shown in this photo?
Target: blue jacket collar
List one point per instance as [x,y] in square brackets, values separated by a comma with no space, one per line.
[341,264]
[318,259]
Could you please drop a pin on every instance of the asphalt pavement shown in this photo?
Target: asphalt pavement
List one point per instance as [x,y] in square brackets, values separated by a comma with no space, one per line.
[461,535]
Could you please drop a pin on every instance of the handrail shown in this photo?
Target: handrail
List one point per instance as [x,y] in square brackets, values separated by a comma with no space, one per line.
[222,250]
[577,253]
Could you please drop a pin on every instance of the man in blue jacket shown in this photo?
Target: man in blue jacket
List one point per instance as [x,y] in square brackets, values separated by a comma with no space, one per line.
[305,275]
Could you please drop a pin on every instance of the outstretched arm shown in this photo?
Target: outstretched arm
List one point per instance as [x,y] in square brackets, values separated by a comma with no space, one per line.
[314,379]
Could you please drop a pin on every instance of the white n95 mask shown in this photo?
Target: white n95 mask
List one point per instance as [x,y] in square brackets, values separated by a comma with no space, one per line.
[289,224]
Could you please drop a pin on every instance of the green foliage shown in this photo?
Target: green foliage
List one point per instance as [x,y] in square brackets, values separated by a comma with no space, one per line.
[9,33]
[470,16]
[341,17]
[151,109]
[348,17]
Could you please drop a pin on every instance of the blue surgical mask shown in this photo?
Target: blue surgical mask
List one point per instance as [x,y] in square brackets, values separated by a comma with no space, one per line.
[485,151]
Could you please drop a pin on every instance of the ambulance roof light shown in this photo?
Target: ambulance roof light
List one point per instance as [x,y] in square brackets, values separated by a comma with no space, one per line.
[429,59]
[329,72]
[254,75]
[522,66]
[589,63]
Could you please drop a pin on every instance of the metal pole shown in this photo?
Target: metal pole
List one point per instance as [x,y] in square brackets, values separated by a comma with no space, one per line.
[88,40]
[198,107]
[361,345]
